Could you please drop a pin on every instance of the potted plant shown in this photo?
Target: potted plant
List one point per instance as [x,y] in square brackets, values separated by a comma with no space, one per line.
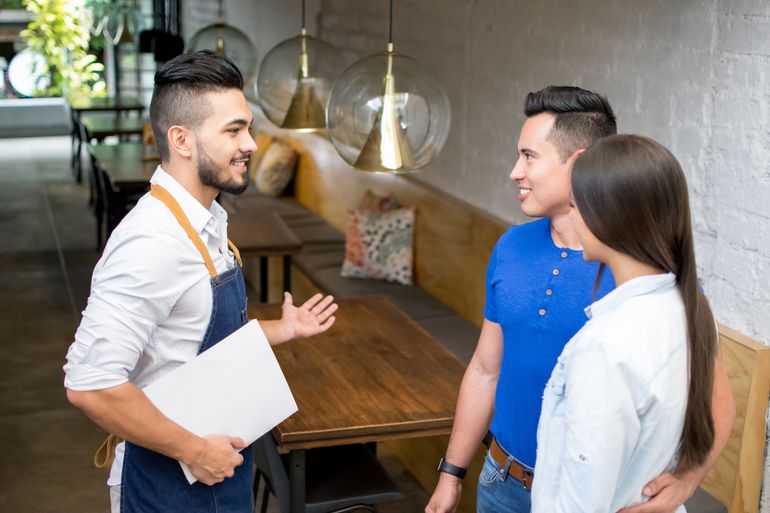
[59,33]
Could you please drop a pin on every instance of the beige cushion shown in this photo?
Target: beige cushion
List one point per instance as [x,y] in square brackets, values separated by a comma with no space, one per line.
[276,169]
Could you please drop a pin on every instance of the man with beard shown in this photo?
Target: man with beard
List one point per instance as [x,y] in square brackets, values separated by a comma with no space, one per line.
[168,287]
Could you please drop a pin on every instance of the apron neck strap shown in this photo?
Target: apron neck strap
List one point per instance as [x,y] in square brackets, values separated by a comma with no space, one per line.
[235,252]
[168,200]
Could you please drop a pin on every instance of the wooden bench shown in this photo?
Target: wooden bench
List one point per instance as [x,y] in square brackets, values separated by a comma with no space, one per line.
[736,478]
[453,242]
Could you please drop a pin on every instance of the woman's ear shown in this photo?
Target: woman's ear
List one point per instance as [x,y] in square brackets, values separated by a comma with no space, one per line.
[180,141]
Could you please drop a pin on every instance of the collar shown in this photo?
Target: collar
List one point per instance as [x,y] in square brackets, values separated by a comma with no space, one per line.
[636,287]
[198,215]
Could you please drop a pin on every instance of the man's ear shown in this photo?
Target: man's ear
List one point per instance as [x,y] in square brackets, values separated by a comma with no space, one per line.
[180,141]
[572,158]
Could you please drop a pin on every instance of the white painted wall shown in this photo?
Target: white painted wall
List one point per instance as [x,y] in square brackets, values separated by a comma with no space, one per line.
[693,74]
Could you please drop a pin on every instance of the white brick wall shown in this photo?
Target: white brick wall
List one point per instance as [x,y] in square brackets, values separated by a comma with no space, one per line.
[693,74]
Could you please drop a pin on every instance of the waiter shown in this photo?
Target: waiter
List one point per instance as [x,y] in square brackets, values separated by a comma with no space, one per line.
[168,287]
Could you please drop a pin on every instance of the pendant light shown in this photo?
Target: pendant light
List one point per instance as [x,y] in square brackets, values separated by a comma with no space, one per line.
[226,40]
[388,113]
[295,79]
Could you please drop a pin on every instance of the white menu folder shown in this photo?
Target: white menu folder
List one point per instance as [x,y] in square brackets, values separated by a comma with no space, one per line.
[235,388]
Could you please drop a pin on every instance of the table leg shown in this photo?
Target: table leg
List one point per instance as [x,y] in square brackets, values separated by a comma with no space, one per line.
[287,273]
[263,279]
[297,481]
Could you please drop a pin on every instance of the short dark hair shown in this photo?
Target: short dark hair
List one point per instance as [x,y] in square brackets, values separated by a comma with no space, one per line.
[582,116]
[179,86]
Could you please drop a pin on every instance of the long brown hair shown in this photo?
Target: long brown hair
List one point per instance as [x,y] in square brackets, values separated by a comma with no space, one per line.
[632,195]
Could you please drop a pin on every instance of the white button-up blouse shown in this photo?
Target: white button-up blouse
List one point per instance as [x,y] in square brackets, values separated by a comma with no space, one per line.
[613,409]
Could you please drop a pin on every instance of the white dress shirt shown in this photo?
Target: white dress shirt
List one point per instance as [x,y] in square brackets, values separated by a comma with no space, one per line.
[613,409]
[150,301]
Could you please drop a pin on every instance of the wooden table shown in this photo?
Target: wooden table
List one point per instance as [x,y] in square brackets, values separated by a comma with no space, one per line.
[116,104]
[100,128]
[263,233]
[83,103]
[128,164]
[375,375]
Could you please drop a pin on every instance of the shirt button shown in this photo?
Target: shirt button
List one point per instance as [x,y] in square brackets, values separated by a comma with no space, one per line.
[548,292]
[556,272]
[564,254]
[541,312]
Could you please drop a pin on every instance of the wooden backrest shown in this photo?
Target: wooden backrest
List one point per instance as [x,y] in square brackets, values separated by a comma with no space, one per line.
[452,239]
[736,478]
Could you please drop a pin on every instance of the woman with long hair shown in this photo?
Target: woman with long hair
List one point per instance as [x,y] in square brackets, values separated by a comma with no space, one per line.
[630,396]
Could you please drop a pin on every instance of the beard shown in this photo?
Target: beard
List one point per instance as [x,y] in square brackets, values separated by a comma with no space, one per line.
[208,173]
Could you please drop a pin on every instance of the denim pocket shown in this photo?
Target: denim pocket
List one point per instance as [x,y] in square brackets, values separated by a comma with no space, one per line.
[490,472]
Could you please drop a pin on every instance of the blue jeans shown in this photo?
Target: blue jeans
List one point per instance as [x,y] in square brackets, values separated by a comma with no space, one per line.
[498,492]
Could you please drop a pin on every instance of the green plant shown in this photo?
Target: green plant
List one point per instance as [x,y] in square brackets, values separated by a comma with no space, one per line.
[11,5]
[59,34]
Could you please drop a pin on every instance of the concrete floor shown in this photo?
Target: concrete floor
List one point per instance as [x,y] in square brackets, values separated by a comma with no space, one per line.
[46,258]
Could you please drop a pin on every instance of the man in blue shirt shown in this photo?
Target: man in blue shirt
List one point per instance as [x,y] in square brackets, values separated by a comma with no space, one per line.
[537,288]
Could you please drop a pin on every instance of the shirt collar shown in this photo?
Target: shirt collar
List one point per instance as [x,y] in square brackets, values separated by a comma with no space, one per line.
[198,215]
[635,287]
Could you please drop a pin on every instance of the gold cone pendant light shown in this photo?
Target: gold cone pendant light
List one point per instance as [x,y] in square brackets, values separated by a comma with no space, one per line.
[396,123]
[305,111]
[294,81]
[387,147]
[225,39]
[125,35]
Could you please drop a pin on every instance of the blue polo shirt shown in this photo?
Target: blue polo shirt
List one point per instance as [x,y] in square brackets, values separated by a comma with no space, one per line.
[537,292]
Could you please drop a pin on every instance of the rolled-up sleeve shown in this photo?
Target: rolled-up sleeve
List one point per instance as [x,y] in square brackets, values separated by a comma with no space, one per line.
[132,291]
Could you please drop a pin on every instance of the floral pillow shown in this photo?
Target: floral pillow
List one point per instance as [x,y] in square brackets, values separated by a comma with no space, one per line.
[378,245]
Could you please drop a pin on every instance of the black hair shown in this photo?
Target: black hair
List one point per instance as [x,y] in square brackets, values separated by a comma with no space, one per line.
[582,116]
[179,87]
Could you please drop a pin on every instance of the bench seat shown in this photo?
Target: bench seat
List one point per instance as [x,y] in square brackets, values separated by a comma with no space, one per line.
[323,251]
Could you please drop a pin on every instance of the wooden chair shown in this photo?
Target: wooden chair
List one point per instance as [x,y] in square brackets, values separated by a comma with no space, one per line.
[736,478]
[109,204]
[343,478]
[76,146]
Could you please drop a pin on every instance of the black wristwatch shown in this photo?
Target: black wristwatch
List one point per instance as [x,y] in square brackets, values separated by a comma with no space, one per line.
[445,466]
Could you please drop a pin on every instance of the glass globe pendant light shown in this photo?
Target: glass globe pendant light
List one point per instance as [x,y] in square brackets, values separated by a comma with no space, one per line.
[388,113]
[295,79]
[226,40]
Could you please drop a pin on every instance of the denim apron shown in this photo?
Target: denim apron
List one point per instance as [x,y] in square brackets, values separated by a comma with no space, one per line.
[153,482]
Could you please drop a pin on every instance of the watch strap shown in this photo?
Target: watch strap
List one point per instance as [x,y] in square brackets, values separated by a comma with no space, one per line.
[448,468]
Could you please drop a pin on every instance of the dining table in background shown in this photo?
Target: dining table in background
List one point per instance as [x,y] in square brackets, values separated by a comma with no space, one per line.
[117,104]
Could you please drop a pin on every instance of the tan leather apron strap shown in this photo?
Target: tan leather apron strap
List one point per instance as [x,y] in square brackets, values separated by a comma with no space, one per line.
[235,252]
[105,454]
[168,200]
